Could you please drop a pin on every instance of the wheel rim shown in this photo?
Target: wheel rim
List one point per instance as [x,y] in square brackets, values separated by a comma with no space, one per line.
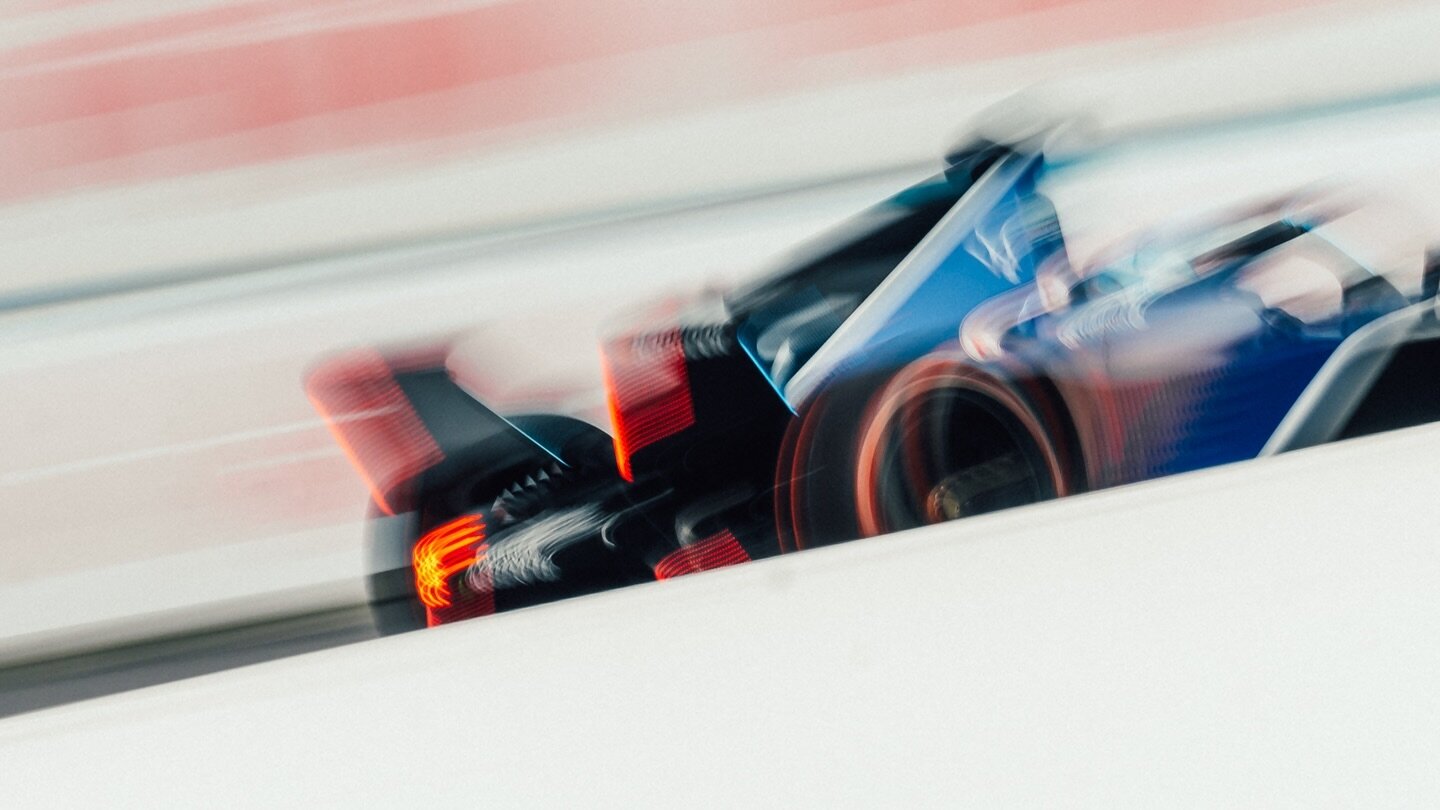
[945,442]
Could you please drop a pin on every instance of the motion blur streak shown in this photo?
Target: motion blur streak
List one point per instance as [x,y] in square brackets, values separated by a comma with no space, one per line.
[374,423]
[716,551]
[525,555]
[648,392]
[205,138]
[82,107]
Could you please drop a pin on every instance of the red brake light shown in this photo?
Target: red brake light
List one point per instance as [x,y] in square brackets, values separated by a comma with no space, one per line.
[716,551]
[648,392]
[374,423]
[441,554]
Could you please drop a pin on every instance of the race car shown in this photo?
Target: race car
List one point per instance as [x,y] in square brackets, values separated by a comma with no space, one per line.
[1297,322]
[939,357]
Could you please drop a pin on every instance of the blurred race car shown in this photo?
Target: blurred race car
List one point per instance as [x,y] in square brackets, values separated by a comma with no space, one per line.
[939,357]
[1292,324]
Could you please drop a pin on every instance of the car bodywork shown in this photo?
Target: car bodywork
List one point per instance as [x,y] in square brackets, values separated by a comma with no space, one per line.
[942,356]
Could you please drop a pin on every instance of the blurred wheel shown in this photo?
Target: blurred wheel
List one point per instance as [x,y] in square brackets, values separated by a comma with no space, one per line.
[945,440]
[814,503]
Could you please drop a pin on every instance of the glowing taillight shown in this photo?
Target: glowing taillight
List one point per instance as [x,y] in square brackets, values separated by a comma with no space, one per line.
[716,551]
[648,392]
[441,554]
[374,424]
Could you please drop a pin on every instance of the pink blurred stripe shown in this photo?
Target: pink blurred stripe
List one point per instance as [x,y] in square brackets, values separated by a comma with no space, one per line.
[255,82]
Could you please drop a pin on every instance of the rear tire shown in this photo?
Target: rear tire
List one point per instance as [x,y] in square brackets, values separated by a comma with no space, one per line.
[940,439]
[945,439]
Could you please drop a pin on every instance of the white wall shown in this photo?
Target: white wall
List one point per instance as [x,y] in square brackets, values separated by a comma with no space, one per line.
[1258,635]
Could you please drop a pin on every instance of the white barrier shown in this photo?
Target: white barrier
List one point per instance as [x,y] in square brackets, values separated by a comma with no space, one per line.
[1261,634]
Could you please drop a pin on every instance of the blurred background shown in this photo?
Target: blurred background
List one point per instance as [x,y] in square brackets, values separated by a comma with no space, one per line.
[143,137]
[203,198]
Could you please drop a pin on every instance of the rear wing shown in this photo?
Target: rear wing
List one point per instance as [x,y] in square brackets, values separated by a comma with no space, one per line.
[408,428]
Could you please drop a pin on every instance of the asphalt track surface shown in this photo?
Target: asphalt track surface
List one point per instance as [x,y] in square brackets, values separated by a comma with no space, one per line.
[55,682]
